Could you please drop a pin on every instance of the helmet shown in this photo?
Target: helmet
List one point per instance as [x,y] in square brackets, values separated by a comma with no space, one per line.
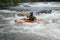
[31,12]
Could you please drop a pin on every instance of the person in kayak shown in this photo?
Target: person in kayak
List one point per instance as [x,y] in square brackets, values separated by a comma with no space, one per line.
[31,17]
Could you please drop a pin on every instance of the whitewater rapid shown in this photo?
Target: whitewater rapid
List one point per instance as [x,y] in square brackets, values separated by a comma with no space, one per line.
[47,29]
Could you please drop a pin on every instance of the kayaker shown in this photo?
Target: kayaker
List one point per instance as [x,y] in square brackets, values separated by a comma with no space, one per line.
[31,17]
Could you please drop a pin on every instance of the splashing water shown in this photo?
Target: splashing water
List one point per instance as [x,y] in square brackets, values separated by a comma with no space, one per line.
[48,28]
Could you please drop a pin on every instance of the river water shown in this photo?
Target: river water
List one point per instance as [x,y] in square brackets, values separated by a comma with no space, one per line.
[47,29]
